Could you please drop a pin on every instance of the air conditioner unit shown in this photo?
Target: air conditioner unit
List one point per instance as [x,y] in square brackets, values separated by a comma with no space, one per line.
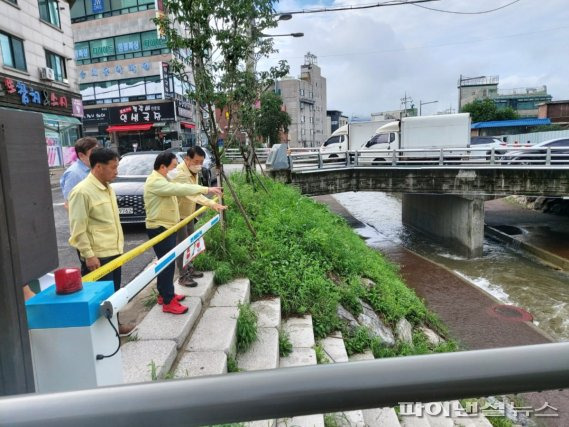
[47,73]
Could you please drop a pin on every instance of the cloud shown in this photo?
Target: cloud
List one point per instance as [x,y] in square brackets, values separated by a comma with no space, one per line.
[371,58]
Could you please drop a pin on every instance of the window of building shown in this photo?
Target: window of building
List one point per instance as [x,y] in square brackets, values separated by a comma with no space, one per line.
[311,119]
[302,119]
[126,90]
[126,46]
[302,131]
[57,64]
[13,51]
[84,10]
[49,12]
[301,92]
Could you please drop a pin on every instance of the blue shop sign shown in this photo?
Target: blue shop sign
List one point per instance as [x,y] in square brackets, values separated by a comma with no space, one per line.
[98,6]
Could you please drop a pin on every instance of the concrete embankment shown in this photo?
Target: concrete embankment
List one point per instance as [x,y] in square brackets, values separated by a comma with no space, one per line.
[542,235]
[473,317]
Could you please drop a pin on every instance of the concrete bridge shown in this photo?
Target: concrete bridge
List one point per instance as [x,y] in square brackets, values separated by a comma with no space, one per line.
[445,202]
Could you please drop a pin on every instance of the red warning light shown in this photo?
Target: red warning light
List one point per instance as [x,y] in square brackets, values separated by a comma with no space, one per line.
[67,281]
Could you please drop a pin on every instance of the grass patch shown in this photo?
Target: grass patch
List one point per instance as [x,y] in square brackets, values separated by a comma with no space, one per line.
[151,299]
[308,257]
[321,357]
[285,346]
[246,327]
[232,364]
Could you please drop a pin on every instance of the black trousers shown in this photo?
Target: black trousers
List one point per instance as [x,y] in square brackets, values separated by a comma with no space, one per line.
[114,275]
[165,279]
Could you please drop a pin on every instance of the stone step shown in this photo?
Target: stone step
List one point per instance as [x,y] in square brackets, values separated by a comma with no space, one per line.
[299,330]
[231,294]
[158,325]
[376,417]
[264,353]
[335,350]
[217,329]
[139,356]
[201,363]
[268,312]
[301,336]
[203,291]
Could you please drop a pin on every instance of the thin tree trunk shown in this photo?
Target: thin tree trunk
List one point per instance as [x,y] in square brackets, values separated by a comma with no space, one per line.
[239,205]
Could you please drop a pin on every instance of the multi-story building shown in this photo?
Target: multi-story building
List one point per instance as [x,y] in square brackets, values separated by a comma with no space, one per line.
[556,111]
[37,72]
[132,101]
[305,102]
[524,101]
[334,120]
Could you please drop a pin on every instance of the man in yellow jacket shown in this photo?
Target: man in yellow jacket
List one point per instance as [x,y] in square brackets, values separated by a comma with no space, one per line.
[161,204]
[96,230]
[187,173]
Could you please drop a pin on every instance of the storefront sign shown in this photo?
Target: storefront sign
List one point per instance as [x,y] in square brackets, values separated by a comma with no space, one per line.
[24,94]
[142,113]
[118,71]
[166,80]
[96,116]
[184,109]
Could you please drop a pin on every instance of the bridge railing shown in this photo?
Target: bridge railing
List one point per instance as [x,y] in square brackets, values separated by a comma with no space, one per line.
[234,154]
[507,156]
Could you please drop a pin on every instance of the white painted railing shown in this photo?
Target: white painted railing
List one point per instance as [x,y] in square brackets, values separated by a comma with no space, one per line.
[502,157]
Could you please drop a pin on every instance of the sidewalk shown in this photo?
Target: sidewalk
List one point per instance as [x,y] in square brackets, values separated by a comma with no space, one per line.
[55,175]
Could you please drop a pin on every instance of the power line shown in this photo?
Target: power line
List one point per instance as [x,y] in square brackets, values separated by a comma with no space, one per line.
[377,52]
[467,13]
[365,6]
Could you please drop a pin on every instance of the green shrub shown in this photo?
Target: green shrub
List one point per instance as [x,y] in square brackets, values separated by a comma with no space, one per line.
[285,346]
[232,364]
[246,327]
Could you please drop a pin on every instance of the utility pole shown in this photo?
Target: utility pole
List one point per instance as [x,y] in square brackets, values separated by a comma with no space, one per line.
[404,101]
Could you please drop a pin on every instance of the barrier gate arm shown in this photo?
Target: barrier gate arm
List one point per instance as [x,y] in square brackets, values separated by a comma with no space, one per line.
[122,297]
[102,271]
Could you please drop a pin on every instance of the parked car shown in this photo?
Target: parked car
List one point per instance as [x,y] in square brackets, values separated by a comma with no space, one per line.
[208,176]
[536,155]
[488,142]
[133,170]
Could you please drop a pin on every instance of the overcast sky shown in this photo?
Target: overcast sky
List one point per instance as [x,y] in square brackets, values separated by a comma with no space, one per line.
[372,57]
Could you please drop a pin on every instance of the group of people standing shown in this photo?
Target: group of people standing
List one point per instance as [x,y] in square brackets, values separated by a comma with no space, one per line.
[171,193]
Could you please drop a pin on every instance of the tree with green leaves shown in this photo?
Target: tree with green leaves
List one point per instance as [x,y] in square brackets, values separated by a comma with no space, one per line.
[485,110]
[271,118]
[214,41]
[217,41]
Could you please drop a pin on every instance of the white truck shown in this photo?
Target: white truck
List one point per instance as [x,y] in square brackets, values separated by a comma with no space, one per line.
[424,136]
[350,137]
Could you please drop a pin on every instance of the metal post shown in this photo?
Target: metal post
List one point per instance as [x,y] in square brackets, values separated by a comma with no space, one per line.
[492,156]
[320,161]
[441,158]
[394,157]
[548,156]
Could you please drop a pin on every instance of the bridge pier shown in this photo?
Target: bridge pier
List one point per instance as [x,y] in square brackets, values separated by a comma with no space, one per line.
[455,221]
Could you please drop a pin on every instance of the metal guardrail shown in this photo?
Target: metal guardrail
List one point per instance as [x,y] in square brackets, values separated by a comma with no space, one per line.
[503,157]
[235,153]
[298,391]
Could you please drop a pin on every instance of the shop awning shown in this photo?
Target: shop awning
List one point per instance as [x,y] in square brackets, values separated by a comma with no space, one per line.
[58,123]
[187,125]
[129,128]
